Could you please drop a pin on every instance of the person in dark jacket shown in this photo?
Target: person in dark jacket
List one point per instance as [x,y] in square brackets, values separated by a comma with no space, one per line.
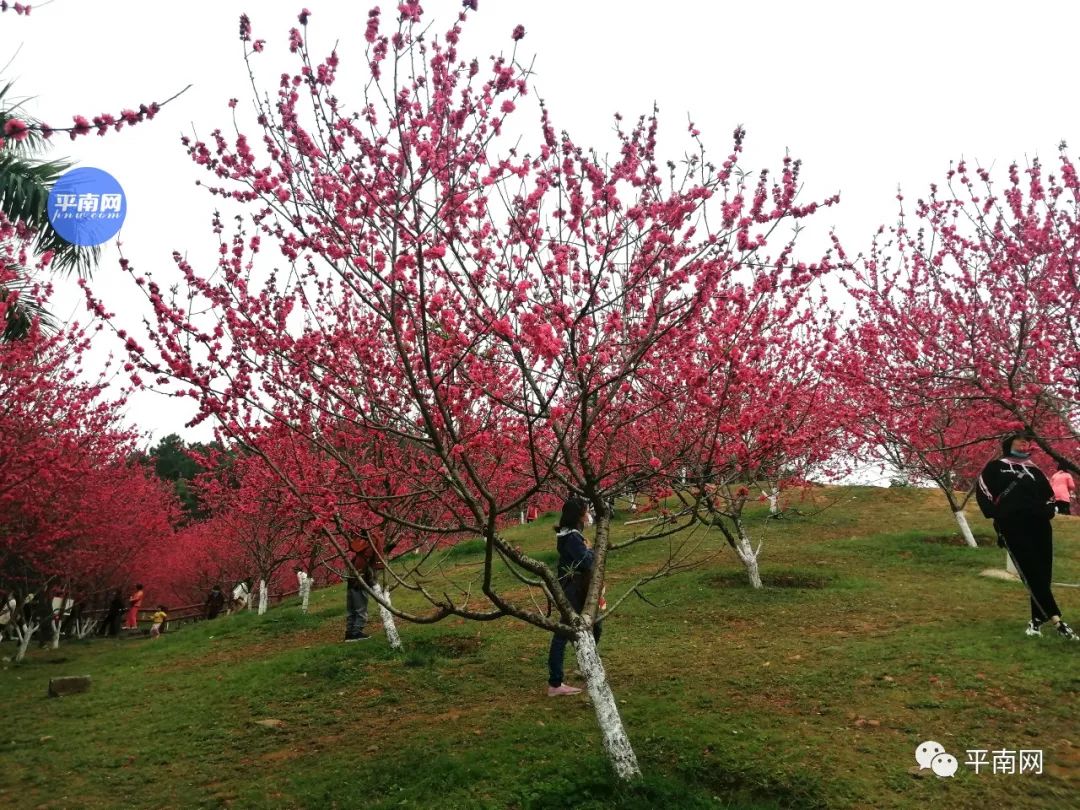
[1018,495]
[574,570]
[111,625]
[215,602]
[366,559]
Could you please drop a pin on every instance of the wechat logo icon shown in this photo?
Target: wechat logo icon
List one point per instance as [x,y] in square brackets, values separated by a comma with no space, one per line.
[932,755]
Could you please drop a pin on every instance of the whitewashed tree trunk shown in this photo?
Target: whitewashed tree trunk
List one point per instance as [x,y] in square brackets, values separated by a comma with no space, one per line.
[616,743]
[56,624]
[521,517]
[774,500]
[305,595]
[964,528]
[1009,565]
[24,632]
[387,617]
[264,597]
[747,554]
[85,627]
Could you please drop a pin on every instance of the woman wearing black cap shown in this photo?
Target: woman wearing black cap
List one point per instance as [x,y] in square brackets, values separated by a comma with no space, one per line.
[575,568]
[1016,493]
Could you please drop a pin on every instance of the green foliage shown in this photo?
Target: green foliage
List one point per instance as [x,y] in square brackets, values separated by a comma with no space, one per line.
[172,460]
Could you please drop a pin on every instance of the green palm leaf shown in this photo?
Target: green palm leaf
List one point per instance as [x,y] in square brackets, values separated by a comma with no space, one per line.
[25,183]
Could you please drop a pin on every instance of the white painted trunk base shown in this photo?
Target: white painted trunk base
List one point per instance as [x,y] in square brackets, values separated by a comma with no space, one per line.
[305,595]
[24,632]
[616,743]
[965,529]
[774,500]
[56,633]
[748,556]
[1009,567]
[264,597]
[387,617]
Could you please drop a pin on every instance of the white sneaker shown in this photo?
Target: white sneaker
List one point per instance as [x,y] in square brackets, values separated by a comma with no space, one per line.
[1033,629]
[1067,632]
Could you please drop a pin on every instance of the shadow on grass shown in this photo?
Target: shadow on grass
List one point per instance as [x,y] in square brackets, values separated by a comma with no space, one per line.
[601,792]
[981,540]
[427,652]
[466,779]
[791,578]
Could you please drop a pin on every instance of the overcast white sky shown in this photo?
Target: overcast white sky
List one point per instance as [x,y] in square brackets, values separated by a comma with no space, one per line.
[869,95]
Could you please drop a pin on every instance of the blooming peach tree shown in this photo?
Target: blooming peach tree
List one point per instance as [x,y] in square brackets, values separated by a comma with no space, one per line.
[460,327]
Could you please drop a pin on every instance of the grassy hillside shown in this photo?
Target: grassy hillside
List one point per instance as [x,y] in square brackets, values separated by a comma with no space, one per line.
[875,632]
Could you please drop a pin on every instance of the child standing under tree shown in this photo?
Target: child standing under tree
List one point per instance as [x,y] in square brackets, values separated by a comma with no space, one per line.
[159,618]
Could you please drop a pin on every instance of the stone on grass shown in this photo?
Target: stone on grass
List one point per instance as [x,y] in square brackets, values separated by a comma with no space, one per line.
[68,685]
[1000,573]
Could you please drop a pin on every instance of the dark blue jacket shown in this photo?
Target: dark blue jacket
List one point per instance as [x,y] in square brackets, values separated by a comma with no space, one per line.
[575,565]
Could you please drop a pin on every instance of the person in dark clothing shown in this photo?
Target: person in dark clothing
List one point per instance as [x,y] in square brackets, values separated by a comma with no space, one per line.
[574,570]
[215,602]
[1018,495]
[365,561]
[111,625]
[356,610]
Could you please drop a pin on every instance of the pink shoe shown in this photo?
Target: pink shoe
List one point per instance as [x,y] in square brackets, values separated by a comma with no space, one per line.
[564,689]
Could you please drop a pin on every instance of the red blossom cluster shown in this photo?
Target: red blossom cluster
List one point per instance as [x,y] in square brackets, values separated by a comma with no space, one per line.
[455,334]
[968,322]
[72,509]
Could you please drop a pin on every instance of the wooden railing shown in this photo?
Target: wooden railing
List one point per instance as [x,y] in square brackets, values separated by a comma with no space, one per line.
[184,614]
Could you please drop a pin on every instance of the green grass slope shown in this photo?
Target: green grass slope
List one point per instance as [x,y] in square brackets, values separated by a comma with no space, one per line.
[874,633]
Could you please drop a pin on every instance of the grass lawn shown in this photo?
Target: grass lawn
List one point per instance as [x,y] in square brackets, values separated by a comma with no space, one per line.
[874,633]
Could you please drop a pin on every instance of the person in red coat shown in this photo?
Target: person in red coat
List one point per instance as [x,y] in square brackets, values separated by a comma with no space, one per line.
[134,603]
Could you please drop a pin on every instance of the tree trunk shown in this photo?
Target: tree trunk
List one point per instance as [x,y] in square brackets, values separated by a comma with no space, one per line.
[56,625]
[616,743]
[774,500]
[24,632]
[965,530]
[305,595]
[264,600]
[747,554]
[387,617]
[1009,565]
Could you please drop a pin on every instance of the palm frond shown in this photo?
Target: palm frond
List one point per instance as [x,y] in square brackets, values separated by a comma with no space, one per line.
[24,310]
[25,184]
[34,143]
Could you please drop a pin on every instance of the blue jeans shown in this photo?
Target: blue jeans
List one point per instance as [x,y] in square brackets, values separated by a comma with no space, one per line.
[575,594]
[557,652]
